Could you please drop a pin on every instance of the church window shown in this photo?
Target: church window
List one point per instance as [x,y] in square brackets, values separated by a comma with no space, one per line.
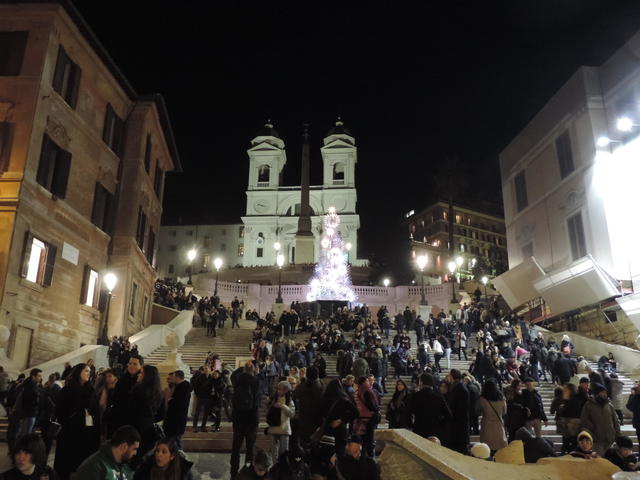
[241,250]
[170,268]
[263,173]
[259,252]
[338,173]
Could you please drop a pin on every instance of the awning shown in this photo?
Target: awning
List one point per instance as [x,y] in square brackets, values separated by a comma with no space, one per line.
[516,285]
[581,283]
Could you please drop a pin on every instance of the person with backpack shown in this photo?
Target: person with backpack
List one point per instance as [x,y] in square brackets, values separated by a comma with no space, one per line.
[245,405]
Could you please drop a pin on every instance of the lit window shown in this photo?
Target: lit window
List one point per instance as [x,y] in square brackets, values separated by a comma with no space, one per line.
[38,251]
[444,215]
[206,260]
[92,283]
[458,218]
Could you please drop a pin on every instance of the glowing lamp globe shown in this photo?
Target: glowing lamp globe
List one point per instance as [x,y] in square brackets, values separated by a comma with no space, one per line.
[452,266]
[603,141]
[459,261]
[484,280]
[217,263]
[110,281]
[280,260]
[624,124]
[385,282]
[191,255]
[277,246]
[421,261]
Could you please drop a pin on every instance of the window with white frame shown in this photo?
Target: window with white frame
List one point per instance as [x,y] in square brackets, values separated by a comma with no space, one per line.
[91,289]
[38,260]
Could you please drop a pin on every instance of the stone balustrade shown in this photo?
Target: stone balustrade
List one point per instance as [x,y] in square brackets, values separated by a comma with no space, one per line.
[261,297]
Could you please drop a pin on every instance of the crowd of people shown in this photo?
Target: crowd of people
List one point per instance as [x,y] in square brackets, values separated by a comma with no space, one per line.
[118,422]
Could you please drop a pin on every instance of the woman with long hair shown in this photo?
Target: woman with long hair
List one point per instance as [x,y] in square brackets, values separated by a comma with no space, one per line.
[282,409]
[339,412]
[493,406]
[166,463]
[78,413]
[397,410]
[368,414]
[146,406]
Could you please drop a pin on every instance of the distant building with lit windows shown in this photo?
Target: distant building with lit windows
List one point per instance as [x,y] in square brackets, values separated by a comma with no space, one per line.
[570,191]
[476,234]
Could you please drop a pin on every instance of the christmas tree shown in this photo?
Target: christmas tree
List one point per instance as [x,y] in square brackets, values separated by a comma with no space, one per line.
[331,279]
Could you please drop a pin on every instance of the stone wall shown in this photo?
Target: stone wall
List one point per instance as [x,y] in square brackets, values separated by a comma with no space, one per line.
[594,324]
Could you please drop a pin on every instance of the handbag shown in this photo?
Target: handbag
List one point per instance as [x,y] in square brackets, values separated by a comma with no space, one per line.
[273,417]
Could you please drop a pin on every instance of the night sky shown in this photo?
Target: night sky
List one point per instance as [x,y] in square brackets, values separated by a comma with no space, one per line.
[422,89]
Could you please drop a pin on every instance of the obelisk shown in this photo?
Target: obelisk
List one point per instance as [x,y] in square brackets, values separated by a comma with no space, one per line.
[304,236]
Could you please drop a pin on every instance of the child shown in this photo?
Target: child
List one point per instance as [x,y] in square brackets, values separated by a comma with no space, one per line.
[585,446]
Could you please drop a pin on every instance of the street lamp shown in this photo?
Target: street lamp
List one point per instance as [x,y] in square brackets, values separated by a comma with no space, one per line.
[277,246]
[385,282]
[191,255]
[484,281]
[110,281]
[217,263]
[348,247]
[422,262]
[625,124]
[280,262]
[452,268]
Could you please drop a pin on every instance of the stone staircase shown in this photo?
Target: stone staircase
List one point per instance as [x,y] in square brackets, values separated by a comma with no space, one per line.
[545,388]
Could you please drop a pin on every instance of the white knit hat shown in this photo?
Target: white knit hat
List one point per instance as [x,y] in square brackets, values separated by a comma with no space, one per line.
[481,450]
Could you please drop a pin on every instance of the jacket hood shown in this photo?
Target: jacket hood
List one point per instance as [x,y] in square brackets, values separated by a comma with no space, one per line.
[524,434]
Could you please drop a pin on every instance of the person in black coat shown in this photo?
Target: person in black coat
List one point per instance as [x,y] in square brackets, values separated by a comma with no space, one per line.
[245,410]
[459,403]
[354,464]
[77,411]
[398,412]
[175,420]
[563,369]
[119,414]
[535,448]
[431,414]
[146,406]
[338,411]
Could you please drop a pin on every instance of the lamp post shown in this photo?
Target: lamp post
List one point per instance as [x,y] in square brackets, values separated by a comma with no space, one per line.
[110,281]
[348,247]
[459,262]
[452,269]
[217,263]
[385,282]
[191,255]
[422,262]
[280,262]
[484,281]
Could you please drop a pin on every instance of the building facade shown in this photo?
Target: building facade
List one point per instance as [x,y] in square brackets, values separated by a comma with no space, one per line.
[209,241]
[81,183]
[272,209]
[568,183]
[477,237]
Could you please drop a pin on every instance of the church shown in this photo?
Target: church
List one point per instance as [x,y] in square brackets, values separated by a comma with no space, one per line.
[273,210]
[271,219]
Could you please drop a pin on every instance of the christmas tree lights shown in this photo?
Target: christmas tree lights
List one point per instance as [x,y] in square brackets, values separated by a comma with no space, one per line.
[331,279]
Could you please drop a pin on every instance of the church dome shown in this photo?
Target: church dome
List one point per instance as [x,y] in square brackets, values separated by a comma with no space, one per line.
[339,129]
[268,131]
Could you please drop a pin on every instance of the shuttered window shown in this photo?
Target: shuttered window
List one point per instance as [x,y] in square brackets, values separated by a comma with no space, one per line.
[113,131]
[564,153]
[147,154]
[90,293]
[53,169]
[38,260]
[140,230]
[521,191]
[66,78]
[576,236]
[101,215]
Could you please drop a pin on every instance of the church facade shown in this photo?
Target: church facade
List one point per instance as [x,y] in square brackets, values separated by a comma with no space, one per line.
[272,212]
